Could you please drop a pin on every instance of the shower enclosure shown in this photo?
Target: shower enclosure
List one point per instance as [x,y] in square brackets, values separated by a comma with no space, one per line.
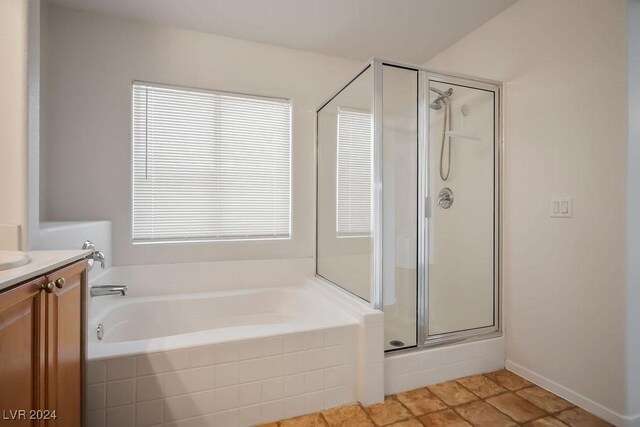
[408,200]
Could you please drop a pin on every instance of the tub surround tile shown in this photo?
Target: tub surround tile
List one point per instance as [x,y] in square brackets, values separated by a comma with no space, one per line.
[313,340]
[121,368]
[294,342]
[96,418]
[446,418]
[294,362]
[313,359]
[388,412]
[121,393]
[227,398]
[544,399]
[189,405]
[201,356]
[149,388]
[333,356]
[155,363]
[122,416]
[272,346]
[250,393]
[272,389]
[334,336]
[273,410]
[96,396]
[578,417]
[250,349]
[96,371]
[313,381]
[508,380]
[481,386]
[272,366]
[313,402]
[452,393]
[149,413]
[250,415]
[250,370]
[421,401]
[335,397]
[226,353]
[226,374]
[293,385]
[333,377]
[293,406]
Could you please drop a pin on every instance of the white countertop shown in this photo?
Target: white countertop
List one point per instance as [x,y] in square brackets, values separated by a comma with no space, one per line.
[41,262]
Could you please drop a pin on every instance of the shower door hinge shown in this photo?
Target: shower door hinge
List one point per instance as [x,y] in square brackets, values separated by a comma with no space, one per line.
[427,207]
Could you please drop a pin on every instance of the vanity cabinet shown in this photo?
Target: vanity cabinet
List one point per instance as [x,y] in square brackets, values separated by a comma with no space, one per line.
[41,349]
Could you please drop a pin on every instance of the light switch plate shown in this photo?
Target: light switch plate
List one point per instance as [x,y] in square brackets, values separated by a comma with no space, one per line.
[561,207]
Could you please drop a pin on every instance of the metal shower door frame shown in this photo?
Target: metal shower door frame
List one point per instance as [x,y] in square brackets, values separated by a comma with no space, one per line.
[424,202]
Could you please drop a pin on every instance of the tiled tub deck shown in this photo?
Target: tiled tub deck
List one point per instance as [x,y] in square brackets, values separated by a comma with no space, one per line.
[496,399]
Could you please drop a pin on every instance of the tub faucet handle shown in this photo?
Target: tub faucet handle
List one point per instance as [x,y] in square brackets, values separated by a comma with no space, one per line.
[99,256]
[94,255]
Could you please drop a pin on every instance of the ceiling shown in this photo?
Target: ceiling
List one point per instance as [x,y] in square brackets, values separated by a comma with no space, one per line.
[403,30]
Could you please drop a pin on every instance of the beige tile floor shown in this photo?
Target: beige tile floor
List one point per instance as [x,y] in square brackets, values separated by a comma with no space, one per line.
[496,399]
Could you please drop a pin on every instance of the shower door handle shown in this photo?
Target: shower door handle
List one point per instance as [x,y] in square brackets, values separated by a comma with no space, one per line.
[427,207]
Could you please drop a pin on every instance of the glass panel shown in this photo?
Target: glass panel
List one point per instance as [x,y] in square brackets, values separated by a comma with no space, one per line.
[399,214]
[345,175]
[461,236]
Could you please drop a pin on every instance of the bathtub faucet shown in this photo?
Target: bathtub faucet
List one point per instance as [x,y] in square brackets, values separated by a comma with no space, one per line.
[94,255]
[102,290]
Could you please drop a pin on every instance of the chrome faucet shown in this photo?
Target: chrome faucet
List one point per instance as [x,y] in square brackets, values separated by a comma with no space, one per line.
[94,255]
[102,290]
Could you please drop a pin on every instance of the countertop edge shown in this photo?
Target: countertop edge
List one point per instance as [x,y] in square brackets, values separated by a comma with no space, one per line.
[41,263]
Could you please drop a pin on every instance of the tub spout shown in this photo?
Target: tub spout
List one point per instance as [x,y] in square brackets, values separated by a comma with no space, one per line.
[102,290]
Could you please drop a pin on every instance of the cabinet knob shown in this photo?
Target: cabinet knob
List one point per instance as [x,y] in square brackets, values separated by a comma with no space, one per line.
[47,287]
[60,283]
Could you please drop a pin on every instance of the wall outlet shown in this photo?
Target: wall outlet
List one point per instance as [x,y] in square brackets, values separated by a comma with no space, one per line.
[561,207]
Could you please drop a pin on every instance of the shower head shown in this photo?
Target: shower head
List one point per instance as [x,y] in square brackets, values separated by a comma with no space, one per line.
[436,105]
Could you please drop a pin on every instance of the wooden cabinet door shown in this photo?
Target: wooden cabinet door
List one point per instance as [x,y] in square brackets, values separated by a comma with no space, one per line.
[64,345]
[22,353]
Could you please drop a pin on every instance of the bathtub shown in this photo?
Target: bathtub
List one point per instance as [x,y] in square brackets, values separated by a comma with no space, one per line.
[220,354]
[142,324]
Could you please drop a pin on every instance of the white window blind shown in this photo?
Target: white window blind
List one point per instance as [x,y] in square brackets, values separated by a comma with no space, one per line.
[209,165]
[355,145]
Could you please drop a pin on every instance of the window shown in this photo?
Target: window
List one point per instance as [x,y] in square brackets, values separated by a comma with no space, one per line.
[209,165]
[354,173]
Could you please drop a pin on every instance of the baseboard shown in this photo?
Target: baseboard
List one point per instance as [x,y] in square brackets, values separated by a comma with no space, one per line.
[575,398]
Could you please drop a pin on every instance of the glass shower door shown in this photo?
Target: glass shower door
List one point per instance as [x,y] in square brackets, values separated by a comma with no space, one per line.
[461,233]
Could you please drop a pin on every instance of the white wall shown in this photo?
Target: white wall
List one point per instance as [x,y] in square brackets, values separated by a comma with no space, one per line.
[633,215]
[91,60]
[13,123]
[565,122]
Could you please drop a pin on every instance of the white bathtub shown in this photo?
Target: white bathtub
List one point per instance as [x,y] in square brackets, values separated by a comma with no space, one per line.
[143,324]
[222,353]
